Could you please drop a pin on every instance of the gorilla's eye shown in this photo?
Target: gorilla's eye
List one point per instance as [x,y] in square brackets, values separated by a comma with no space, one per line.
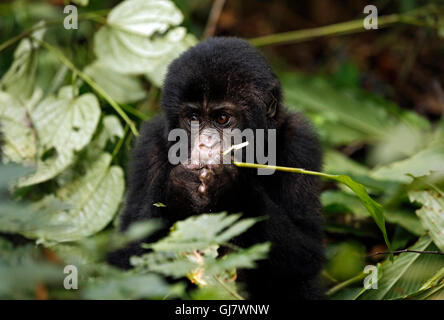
[193,117]
[223,118]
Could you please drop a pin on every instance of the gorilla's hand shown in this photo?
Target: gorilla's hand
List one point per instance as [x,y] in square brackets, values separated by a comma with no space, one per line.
[216,180]
[199,189]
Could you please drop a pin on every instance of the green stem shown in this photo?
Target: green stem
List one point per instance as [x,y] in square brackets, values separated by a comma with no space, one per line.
[346,283]
[330,30]
[286,169]
[91,83]
[120,143]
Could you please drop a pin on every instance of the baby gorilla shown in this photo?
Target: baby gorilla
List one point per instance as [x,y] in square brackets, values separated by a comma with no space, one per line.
[225,83]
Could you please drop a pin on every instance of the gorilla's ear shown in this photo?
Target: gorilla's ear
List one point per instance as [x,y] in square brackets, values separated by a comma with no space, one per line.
[272,107]
[274,102]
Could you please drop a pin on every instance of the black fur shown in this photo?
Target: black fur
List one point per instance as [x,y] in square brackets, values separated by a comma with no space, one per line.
[229,69]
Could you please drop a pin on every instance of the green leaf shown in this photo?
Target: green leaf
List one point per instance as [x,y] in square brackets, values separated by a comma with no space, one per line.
[18,136]
[202,231]
[358,111]
[144,17]
[191,250]
[66,121]
[142,37]
[160,68]
[244,258]
[110,131]
[92,199]
[406,274]
[403,170]
[431,214]
[19,80]
[402,141]
[64,124]
[122,88]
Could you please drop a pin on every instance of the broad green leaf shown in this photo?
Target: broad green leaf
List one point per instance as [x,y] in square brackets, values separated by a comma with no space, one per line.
[354,109]
[49,167]
[128,53]
[433,293]
[64,124]
[92,199]
[406,274]
[431,214]
[421,164]
[112,127]
[122,88]
[401,142]
[158,73]
[142,37]
[19,80]
[144,17]
[18,135]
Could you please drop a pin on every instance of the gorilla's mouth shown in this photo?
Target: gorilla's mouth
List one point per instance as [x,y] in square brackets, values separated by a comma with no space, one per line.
[212,157]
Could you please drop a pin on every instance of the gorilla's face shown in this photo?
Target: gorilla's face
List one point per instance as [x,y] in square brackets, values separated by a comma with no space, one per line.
[209,126]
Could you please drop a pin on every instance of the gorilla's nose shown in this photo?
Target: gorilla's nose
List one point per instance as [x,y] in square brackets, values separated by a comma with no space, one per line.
[207,141]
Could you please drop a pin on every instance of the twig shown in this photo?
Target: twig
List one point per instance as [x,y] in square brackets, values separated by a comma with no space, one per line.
[407,250]
[343,28]
[215,12]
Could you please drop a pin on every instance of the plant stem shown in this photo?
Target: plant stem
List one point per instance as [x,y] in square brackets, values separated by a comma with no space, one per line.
[346,283]
[286,169]
[90,82]
[119,143]
[342,28]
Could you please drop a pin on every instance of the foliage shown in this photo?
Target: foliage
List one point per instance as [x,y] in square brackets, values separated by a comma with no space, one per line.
[68,113]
